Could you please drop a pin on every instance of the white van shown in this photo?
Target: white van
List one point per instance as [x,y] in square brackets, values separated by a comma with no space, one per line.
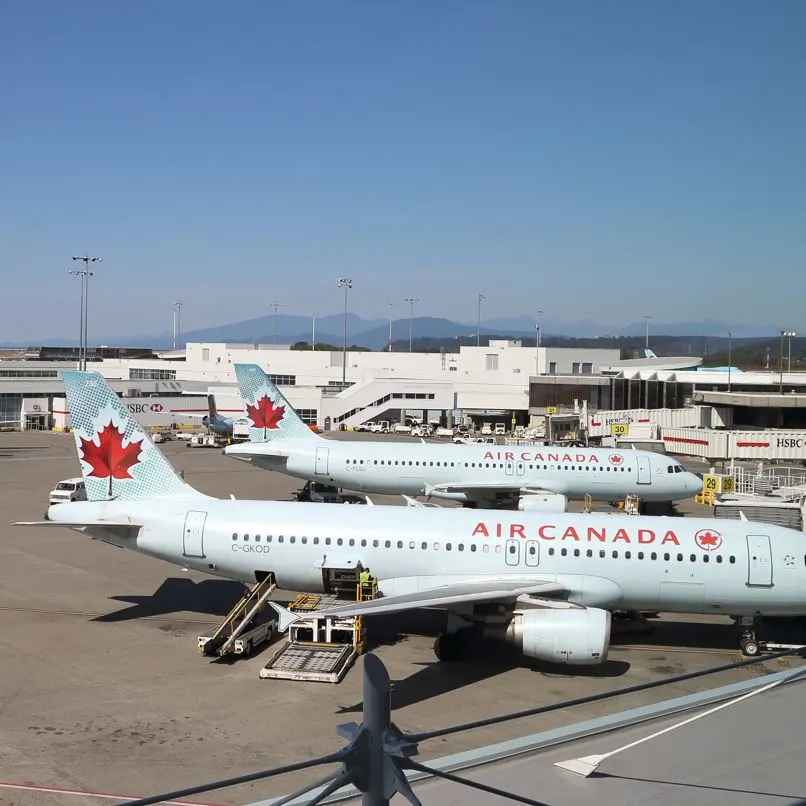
[68,490]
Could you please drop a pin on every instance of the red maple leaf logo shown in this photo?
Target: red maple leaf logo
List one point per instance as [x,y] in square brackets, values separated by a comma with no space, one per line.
[110,459]
[708,540]
[265,414]
[616,459]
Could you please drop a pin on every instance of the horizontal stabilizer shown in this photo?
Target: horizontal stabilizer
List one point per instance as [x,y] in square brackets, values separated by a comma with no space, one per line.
[97,524]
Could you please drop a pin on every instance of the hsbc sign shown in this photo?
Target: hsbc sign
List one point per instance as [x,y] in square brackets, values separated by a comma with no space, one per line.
[161,412]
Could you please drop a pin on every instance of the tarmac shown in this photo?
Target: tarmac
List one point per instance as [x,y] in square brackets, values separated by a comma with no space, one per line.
[102,688]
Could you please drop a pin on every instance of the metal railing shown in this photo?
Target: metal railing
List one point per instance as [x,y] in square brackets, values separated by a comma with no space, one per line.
[379,754]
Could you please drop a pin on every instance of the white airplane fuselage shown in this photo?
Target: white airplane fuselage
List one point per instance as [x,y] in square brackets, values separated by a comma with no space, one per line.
[416,468]
[619,562]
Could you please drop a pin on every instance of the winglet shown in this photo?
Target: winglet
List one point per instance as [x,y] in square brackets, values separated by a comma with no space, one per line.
[285,618]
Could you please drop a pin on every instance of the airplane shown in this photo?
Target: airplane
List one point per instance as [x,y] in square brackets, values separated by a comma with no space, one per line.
[214,422]
[478,476]
[545,582]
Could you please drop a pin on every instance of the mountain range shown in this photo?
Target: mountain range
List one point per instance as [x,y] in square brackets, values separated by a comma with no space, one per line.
[374,333]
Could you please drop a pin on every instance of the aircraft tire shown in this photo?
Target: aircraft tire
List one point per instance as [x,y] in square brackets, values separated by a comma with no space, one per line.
[448,647]
[750,648]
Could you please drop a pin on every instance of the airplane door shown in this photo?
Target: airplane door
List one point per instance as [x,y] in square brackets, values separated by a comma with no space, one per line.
[513,552]
[321,461]
[509,468]
[520,468]
[532,553]
[644,470]
[193,544]
[759,559]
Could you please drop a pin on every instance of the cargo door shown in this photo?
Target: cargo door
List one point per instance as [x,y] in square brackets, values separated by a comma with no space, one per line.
[513,552]
[321,461]
[644,470]
[193,544]
[759,558]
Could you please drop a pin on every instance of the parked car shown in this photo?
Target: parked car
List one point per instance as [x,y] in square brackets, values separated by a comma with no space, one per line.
[68,490]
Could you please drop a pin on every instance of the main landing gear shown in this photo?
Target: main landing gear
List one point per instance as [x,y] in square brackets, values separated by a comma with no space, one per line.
[451,647]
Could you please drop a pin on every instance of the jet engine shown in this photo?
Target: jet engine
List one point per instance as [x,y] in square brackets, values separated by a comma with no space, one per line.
[542,502]
[576,636]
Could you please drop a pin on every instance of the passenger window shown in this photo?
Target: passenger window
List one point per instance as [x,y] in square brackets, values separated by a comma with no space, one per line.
[246,538]
[731,559]
[352,541]
[602,553]
[640,555]
[680,558]
[461,547]
[564,552]
[375,544]
[304,539]
[268,538]
[719,558]
[576,552]
[339,541]
[436,546]
[627,555]
[400,544]
[327,541]
[472,546]
[411,544]
[485,548]
[292,539]
[234,536]
[666,557]
[590,552]
[693,558]
[424,546]
[615,555]
[315,541]
[448,547]
[653,556]
[363,543]
[280,539]
[705,558]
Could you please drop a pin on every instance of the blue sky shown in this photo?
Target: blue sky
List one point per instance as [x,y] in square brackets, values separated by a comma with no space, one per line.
[597,160]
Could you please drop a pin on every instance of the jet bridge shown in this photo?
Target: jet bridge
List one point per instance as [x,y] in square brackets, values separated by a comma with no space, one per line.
[319,649]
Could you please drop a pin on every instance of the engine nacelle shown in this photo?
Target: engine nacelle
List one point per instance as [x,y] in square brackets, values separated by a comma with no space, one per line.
[576,636]
[542,502]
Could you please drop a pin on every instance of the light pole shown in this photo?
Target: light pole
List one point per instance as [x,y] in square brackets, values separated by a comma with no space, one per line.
[177,322]
[85,292]
[478,321]
[391,311]
[313,333]
[782,333]
[411,301]
[81,274]
[538,323]
[345,283]
[790,335]
[730,345]
[276,307]
[646,322]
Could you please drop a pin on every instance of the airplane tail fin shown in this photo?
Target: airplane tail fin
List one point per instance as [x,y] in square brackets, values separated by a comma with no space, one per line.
[272,417]
[649,354]
[212,411]
[118,460]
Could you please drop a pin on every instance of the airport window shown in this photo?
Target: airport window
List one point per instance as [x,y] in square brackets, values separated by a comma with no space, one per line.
[308,416]
[491,362]
[552,367]
[575,368]
[205,353]
[587,368]
[152,374]
[283,380]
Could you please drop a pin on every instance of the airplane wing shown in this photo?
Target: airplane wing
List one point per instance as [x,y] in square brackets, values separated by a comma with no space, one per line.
[98,524]
[487,590]
[498,486]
